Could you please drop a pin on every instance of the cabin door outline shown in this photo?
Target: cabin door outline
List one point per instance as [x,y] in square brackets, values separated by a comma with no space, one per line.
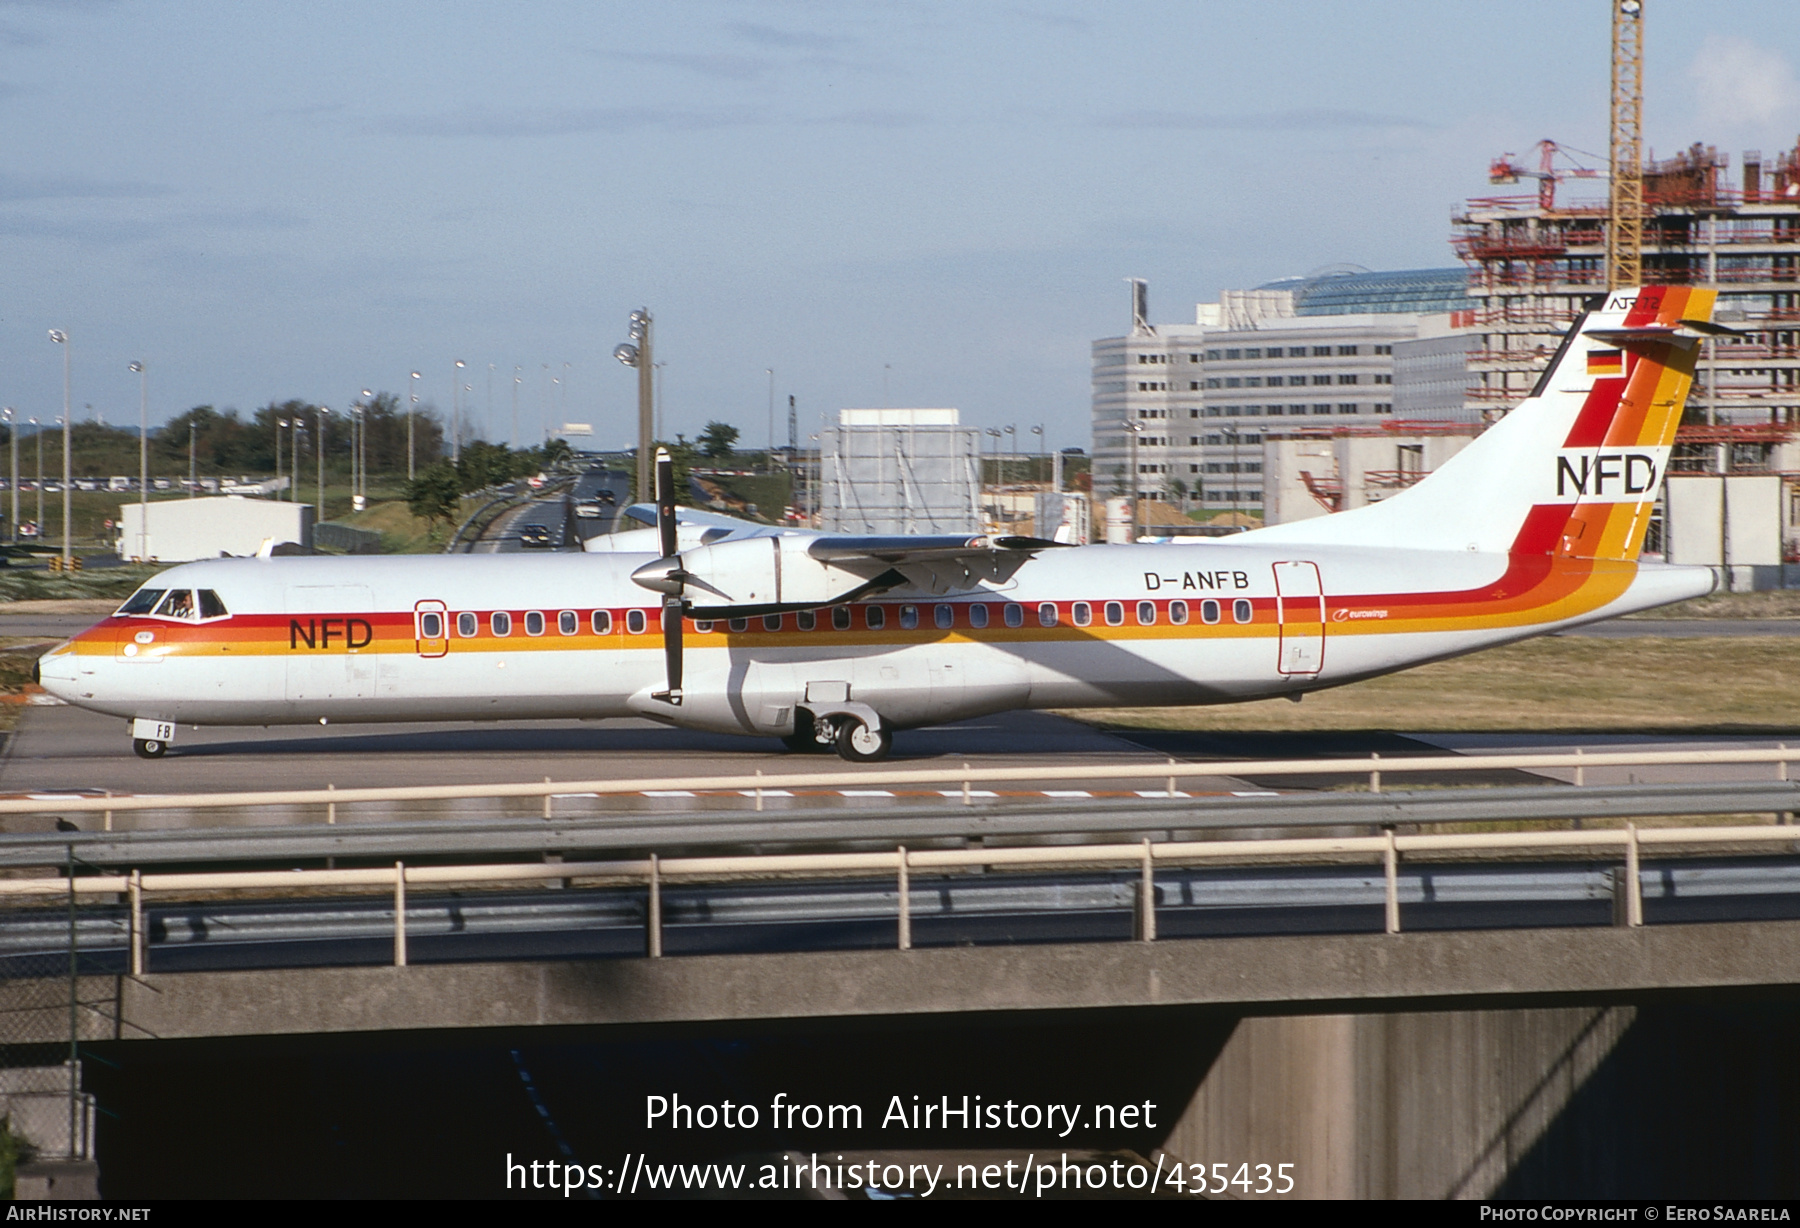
[1300,614]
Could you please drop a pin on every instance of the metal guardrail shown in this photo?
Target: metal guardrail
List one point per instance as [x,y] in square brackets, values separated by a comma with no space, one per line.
[901,863]
[53,852]
[756,785]
[736,829]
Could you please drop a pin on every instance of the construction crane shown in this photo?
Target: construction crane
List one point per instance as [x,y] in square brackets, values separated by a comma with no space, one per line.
[1625,220]
[1505,169]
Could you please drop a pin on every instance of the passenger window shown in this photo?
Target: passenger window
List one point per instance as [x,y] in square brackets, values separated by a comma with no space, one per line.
[210,605]
[944,616]
[500,622]
[1240,610]
[909,616]
[771,622]
[1081,613]
[703,625]
[465,626]
[1146,613]
[1047,613]
[567,623]
[602,622]
[978,615]
[840,617]
[1178,612]
[534,622]
[739,624]
[877,617]
[634,622]
[1115,614]
[1209,611]
[142,601]
[807,620]
[431,626]
[1015,615]
[178,604]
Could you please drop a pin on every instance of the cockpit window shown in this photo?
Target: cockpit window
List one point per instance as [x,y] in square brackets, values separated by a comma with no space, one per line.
[210,605]
[178,604]
[142,601]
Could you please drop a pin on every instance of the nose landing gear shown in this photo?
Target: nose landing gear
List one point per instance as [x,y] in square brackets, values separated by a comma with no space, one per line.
[149,748]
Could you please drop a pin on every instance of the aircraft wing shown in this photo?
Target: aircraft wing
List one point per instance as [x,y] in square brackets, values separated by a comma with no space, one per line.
[728,568]
[937,564]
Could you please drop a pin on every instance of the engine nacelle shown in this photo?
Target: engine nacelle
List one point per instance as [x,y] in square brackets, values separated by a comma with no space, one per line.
[757,573]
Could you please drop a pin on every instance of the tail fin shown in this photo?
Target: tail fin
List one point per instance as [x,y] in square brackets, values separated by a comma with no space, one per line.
[1586,451]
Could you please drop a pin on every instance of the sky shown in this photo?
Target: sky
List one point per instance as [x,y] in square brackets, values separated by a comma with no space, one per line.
[885,203]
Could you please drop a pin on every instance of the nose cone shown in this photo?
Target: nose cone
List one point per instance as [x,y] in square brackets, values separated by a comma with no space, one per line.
[55,671]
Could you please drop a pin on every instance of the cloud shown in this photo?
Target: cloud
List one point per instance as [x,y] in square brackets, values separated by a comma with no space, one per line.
[550,121]
[874,119]
[15,187]
[722,66]
[1274,121]
[115,231]
[1738,82]
[789,40]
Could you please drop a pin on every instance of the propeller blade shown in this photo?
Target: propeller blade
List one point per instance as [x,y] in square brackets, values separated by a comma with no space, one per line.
[671,617]
[665,502]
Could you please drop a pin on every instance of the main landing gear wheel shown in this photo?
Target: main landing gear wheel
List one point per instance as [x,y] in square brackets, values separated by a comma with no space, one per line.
[858,743]
[149,748]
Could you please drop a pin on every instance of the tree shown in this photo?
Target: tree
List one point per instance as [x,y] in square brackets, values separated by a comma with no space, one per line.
[436,494]
[718,440]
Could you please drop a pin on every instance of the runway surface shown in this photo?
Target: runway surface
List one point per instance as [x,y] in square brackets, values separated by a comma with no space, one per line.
[61,748]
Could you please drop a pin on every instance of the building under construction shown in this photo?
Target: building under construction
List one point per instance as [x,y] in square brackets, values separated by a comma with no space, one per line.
[1534,262]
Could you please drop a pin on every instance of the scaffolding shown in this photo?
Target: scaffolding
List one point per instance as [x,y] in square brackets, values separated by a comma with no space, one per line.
[1535,264]
[900,471]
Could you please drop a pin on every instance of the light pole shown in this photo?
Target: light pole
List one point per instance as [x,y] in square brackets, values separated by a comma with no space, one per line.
[1232,432]
[38,435]
[1133,428]
[12,435]
[662,425]
[193,457]
[319,430]
[517,380]
[281,424]
[412,412]
[771,374]
[1012,443]
[565,396]
[295,429]
[61,338]
[638,353]
[143,375]
[362,450]
[994,434]
[1039,432]
[456,413]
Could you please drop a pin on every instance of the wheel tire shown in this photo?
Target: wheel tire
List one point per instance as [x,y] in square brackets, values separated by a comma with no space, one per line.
[857,743]
[149,748]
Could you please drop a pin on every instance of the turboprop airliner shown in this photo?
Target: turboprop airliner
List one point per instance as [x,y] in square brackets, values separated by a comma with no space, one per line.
[835,641]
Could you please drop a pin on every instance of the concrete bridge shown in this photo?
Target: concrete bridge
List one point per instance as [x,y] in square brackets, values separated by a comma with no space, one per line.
[1385,1065]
